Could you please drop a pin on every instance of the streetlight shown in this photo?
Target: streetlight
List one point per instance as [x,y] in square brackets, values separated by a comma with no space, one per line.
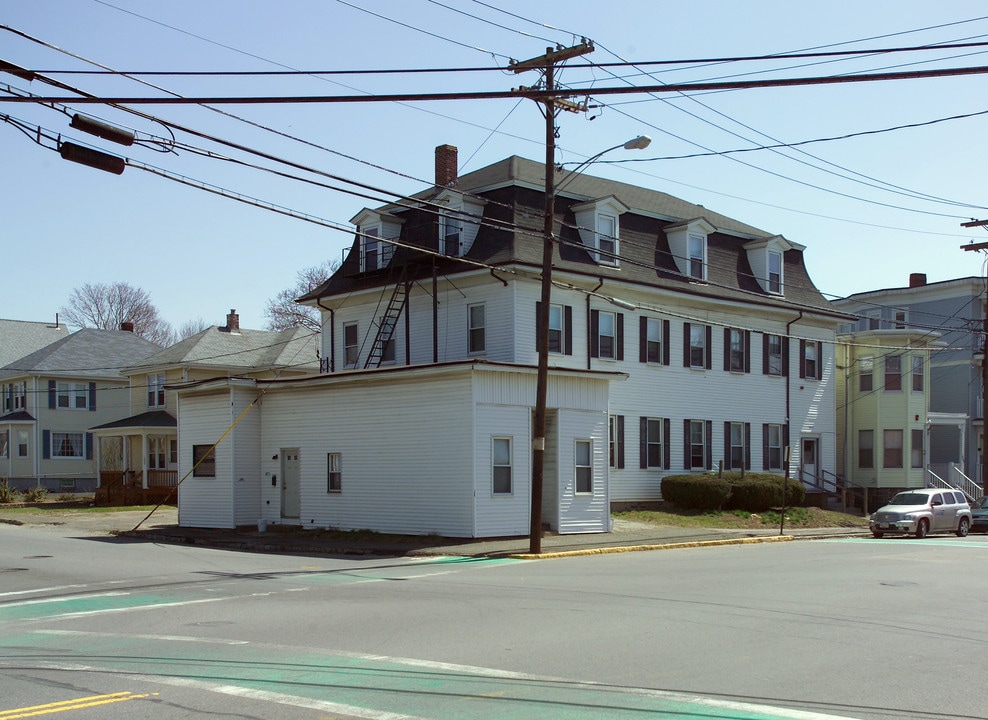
[542,381]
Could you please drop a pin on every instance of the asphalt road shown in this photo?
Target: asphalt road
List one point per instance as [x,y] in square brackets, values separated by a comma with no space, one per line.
[856,628]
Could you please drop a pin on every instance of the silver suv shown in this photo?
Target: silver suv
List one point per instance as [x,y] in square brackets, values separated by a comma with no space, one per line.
[923,511]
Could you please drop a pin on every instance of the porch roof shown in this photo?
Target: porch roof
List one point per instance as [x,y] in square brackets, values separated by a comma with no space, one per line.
[151,419]
[17,416]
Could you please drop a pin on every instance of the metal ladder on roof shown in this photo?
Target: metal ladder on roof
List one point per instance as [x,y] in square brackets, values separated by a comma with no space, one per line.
[389,321]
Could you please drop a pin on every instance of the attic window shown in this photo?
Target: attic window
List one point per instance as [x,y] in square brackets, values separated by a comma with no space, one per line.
[450,228]
[774,271]
[689,247]
[698,256]
[607,239]
[600,228]
[374,254]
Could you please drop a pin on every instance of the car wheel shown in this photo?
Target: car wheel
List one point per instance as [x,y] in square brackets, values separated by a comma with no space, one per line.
[923,528]
[962,527]
[877,534]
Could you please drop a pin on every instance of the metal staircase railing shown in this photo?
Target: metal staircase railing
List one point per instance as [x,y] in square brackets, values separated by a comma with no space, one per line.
[957,481]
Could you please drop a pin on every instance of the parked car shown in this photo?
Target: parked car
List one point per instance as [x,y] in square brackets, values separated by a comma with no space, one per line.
[923,511]
[979,515]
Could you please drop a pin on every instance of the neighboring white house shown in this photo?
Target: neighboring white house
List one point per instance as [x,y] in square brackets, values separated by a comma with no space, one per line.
[679,340]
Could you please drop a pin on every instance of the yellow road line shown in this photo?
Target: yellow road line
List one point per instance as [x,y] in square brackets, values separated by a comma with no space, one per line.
[64,705]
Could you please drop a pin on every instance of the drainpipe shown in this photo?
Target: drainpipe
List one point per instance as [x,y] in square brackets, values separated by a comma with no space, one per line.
[332,337]
[435,312]
[600,284]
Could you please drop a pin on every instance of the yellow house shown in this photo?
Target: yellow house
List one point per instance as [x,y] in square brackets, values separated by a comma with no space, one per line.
[137,456]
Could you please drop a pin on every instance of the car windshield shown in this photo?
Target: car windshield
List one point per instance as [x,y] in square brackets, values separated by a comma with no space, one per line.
[910,499]
[982,504]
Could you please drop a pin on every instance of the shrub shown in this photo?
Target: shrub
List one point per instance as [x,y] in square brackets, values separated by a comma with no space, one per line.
[36,494]
[758,492]
[696,492]
[7,493]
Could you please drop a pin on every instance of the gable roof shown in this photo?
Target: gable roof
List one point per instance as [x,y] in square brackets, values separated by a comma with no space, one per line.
[243,351]
[89,353]
[21,337]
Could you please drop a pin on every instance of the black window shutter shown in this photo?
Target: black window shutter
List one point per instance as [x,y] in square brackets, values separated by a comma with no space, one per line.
[764,353]
[710,340]
[666,449]
[92,396]
[568,329]
[89,446]
[686,344]
[51,395]
[620,336]
[766,465]
[46,444]
[643,339]
[594,333]
[747,446]
[747,351]
[727,348]
[727,446]
[620,442]
[785,356]
[665,342]
[643,442]
[708,432]
[686,445]
[802,358]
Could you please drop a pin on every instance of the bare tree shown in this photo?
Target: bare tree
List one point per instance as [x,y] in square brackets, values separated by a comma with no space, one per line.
[105,306]
[283,312]
[191,327]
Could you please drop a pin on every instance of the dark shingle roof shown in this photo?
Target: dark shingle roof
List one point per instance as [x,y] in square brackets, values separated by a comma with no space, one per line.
[152,418]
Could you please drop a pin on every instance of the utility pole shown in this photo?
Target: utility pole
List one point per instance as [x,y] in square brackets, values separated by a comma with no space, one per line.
[984,359]
[547,63]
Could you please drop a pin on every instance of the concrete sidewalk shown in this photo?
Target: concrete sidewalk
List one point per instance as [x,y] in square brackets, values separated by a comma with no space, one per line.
[627,536]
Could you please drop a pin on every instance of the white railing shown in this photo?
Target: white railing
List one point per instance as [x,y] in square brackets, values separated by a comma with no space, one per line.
[957,481]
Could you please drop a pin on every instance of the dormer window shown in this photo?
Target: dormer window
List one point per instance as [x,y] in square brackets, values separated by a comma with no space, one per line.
[698,256]
[600,228]
[774,271]
[458,221]
[374,229]
[450,228]
[767,260]
[688,245]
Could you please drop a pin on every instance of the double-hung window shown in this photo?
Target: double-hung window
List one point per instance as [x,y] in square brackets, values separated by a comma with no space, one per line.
[371,247]
[697,257]
[334,472]
[615,441]
[773,361]
[203,461]
[4,443]
[583,462]
[654,341]
[892,450]
[157,453]
[477,328]
[654,450]
[697,453]
[72,395]
[893,373]
[156,390]
[606,334]
[918,373]
[450,228]
[351,344]
[501,465]
[866,370]
[22,441]
[916,449]
[866,449]
[772,436]
[809,361]
[736,353]
[737,437]
[607,242]
[556,330]
[774,271]
[697,345]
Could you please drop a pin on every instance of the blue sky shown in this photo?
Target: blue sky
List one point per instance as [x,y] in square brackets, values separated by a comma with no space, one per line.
[199,255]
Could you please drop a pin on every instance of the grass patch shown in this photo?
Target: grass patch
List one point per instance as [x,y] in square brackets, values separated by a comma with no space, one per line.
[799,517]
[44,509]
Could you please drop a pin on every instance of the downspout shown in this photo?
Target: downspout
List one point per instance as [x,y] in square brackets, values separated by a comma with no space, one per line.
[435,312]
[788,391]
[332,337]
[600,284]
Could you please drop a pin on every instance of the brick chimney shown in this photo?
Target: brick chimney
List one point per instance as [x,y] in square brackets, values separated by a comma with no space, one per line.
[445,165]
[917,279]
[127,327]
[232,323]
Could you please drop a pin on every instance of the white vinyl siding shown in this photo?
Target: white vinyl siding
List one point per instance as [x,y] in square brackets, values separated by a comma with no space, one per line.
[206,501]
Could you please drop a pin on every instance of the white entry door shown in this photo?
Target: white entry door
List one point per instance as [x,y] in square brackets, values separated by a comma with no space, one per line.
[291,501]
[809,461]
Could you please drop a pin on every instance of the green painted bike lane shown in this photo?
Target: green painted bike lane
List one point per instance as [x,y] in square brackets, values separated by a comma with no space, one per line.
[361,685]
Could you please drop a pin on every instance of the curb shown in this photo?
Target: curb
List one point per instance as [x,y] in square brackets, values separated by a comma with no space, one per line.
[644,548]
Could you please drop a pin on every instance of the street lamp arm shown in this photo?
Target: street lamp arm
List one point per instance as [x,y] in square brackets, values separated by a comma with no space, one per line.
[637,143]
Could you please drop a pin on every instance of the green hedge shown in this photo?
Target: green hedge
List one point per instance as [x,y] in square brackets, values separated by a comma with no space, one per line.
[755,492]
[696,492]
